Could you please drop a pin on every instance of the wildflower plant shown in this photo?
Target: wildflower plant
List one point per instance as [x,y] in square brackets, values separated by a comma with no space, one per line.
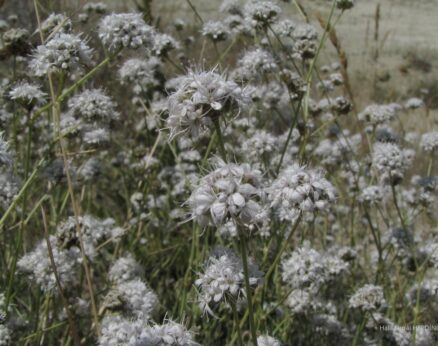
[216,178]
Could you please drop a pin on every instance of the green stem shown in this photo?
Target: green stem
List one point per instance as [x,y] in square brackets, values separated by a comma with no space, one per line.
[221,139]
[248,289]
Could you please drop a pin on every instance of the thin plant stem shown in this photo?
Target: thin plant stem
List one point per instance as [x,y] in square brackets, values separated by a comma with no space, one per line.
[248,289]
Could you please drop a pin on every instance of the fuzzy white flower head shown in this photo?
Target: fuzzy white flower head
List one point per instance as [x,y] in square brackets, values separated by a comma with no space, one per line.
[378,114]
[389,161]
[169,333]
[125,269]
[305,267]
[63,52]
[5,156]
[93,105]
[231,191]
[429,141]
[127,30]
[137,298]
[367,298]
[414,103]
[28,94]
[255,62]
[118,331]
[56,22]
[261,13]
[300,190]
[223,279]
[163,44]
[266,340]
[259,145]
[201,97]
[37,264]
[139,73]
[372,194]
[215,31]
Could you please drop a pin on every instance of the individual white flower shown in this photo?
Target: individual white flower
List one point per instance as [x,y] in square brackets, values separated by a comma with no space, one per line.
[378,114]
[368,298]
[300,190]
[63,52]
[266,340]
[215,31]
[231,191]
[223,279]
[28,94]
[127,30]
[261,13]
[200,98]
[429,141]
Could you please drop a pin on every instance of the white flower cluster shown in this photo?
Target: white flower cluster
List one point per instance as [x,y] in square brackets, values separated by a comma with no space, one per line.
[215,31]
[368,298]
[390,161]
[372,194]
[223,279]
[429,141]
[266,340]
[300,190]
[38,266]
[127,30]
[261,13]
[56,22]
[90,112]
[231,191]
[259,145]
[62,53]
[254,63]
[306,268]
[117,331]
[198,99]
[162,44]
[125,269]
[5,156]
[28,94]
[378,114]
[93,231]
